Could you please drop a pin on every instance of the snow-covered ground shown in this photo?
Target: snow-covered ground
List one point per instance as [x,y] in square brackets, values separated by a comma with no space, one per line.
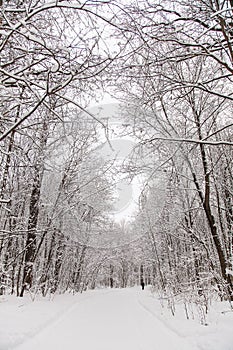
[118,319]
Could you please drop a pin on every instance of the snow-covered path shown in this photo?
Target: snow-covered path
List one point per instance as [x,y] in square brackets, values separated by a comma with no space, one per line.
[122,319]
[108,320]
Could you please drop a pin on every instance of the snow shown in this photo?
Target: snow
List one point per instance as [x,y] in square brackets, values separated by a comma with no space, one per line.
[55,67]
[110,319]
[229,272]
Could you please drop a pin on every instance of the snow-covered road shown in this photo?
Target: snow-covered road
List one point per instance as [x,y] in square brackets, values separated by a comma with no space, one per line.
[108,320]
[117,319]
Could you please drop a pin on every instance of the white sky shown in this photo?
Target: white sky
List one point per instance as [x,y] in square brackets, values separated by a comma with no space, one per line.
[127,193]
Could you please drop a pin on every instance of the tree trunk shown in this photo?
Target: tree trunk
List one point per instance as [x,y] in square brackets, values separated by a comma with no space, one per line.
[205,199]
[30,247]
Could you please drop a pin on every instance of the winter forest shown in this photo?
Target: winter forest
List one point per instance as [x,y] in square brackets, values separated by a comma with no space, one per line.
[167,69]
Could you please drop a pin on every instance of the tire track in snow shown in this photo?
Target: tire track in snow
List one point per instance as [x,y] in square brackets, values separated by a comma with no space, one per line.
[53,321]
[189,345]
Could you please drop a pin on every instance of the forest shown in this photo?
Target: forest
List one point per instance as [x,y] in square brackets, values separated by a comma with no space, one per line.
[169,65]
